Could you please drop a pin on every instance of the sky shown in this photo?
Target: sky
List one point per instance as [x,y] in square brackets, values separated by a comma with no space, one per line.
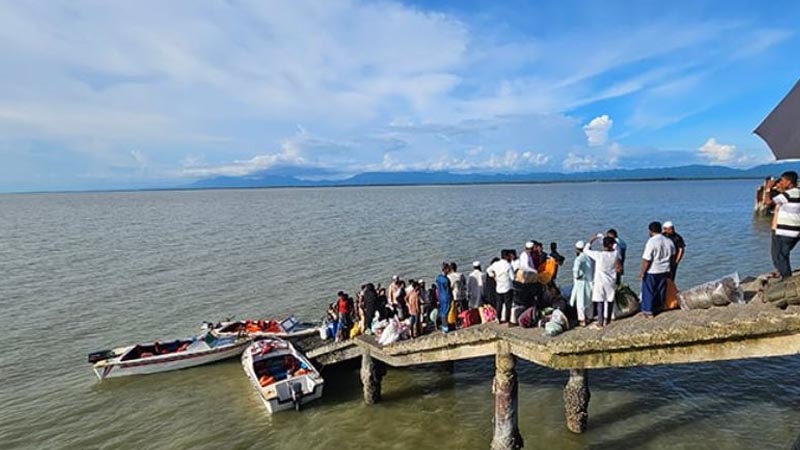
[98,94]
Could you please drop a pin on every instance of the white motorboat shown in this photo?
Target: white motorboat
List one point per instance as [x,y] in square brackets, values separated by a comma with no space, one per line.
[289,328]
[141,359]
[282,376]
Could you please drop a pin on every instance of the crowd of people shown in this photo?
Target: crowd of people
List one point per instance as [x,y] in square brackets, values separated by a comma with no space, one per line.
[598,271]
[516,288]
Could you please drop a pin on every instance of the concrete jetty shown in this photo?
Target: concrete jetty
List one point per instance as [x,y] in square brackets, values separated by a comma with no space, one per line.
[767,326]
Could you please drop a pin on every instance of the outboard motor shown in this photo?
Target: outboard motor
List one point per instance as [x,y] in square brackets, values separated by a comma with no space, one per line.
[102,355]
[297,395]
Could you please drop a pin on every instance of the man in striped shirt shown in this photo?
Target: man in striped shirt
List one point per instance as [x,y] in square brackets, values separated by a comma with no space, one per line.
[785,223]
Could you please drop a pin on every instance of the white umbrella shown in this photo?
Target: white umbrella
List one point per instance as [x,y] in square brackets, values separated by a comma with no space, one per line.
[781,129]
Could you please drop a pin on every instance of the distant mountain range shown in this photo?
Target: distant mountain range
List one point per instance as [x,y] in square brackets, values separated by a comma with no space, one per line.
[283,177]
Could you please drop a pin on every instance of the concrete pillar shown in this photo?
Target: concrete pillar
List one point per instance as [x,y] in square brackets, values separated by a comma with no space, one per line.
[576,400]
[372,373]
[506,403]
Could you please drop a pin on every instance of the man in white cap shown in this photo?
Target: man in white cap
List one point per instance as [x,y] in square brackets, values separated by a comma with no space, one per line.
[526,263]
[583,278]
[680,248]
[475,286]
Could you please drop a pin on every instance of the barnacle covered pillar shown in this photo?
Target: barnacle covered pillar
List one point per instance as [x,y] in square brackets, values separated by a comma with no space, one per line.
[506,402]
[372,372]
[576,400]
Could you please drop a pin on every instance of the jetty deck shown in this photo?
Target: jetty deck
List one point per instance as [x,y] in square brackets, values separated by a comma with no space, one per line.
[767,326]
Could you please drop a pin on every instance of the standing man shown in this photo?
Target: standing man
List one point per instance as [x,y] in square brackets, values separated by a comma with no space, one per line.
[583,280]
[606,268]
[344,305]
[475,286]
[503,275]
[680,248]
[558,257]
[656,261]
[622,250]
[490,286]
[538,256]
[394,289]
[785,223]
[526,263]
[414,308]
[459,284]
[445,295]
[370,304]
[525,280]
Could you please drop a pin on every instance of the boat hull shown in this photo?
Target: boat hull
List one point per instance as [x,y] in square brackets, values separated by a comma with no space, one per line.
[167,363]
[278,396]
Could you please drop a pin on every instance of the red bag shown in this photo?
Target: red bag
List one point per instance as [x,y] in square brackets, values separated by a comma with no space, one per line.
[469,318]
[528,318]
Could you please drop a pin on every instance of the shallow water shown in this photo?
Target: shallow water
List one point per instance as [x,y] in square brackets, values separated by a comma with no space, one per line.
[83,272]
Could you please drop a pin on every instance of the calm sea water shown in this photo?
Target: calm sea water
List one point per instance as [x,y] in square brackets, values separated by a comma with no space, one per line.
[83,272]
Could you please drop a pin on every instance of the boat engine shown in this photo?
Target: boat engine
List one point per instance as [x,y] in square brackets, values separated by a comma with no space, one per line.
[102,355]
[297,395]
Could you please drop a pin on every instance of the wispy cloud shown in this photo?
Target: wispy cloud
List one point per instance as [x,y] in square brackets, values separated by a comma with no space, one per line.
[231,80]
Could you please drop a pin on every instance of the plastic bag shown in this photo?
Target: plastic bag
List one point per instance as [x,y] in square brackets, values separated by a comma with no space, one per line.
[488,313]
[391,333]
[553,328]
[557,324]
[452,316]
[626,302]
[720,292]
[378,326]
[356,330]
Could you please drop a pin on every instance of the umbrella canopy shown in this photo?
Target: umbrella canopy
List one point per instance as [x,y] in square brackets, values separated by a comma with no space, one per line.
[781,129]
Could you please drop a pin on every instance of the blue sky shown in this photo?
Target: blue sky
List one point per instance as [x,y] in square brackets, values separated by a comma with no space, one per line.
[98,94]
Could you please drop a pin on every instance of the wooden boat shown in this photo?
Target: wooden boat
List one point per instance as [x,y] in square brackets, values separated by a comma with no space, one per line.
[289,328]
[282,376]
[141,359]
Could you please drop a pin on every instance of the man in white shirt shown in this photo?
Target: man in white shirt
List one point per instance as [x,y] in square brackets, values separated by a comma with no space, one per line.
[459,283]
[526,260]
[656,263]
[622,250]
[503,274]
[785,222]
[475,286]
[606,267]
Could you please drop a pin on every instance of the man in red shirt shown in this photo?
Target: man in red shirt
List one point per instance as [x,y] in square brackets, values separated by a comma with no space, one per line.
[343,308]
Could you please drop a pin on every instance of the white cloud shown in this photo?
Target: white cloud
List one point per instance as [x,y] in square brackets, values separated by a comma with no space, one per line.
[580,163]
[231,81]
[290,154]
[516,161]
[718,153]
[597,130]
[469,161]
[140,158]
[390,164]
